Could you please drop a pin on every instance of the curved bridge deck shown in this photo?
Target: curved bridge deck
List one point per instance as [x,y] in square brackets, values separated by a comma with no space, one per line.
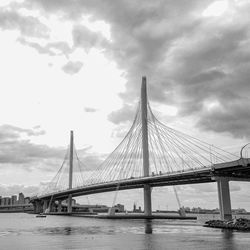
[234,170]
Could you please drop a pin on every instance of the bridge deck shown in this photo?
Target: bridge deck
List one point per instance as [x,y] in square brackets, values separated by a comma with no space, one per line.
[236,169]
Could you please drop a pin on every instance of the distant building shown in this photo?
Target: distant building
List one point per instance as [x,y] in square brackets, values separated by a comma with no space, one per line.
[6,201]
[13,200]
[21,198]
[135,210]
[100,209]
[196,209]
[73,202]
[239,211]
[26,200]
[134,207]
[119,208]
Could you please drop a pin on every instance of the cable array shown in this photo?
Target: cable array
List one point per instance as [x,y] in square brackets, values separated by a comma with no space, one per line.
[61,179]
[169,151]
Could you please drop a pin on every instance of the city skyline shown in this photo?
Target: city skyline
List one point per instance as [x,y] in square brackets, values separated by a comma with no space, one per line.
[79,66]
[21,199]
[14,200]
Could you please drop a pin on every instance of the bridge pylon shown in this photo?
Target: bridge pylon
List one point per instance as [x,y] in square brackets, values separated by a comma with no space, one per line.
[71,151]
[145,152]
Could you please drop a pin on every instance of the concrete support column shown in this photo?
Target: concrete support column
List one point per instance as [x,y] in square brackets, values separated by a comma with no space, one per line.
[45,205]
[40,208]
[52,206]
[144,108]
[224,199]
[37,207]
[70,203]
[147,200]
[59,208]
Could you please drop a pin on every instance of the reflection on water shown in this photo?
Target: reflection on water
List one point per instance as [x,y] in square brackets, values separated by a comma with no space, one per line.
[24,231]
[148,226]
[228,240]
[227,234]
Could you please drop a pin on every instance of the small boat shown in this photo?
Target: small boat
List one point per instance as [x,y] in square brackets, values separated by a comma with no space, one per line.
[41,215]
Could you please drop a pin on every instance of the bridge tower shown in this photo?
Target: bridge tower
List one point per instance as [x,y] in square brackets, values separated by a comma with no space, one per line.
[145,154]
[71,148]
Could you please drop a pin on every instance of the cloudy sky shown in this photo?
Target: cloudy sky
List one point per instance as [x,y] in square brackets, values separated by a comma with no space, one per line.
[77,65]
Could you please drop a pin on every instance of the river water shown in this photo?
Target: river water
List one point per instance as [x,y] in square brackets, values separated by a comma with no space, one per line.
[25,231]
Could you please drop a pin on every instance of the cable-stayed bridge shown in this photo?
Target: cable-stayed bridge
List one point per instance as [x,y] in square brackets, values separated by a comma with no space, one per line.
[150,155]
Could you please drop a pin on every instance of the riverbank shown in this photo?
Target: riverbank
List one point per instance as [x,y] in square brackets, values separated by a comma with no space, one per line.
[240,224]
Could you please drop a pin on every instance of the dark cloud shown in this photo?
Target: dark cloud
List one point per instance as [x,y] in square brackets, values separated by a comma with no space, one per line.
[190,60]
[208,76]
[23,151]
[232,116]
[17,152]
[14,149]
[27,25]
[87,39]
[72,67]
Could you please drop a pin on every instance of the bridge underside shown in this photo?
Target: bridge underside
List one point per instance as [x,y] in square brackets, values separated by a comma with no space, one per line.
[240,173]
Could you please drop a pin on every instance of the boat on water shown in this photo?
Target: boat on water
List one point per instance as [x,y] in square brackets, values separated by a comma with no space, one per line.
[41,215]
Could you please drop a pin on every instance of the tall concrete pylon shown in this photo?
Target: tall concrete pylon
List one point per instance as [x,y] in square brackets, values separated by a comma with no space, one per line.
[144,109]
[71,151]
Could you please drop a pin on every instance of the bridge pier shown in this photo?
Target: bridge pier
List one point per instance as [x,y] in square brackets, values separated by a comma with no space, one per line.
[52,207]
[70,203]
[37,207]
[147,200]
[45,205]
[224,198]
[59,206]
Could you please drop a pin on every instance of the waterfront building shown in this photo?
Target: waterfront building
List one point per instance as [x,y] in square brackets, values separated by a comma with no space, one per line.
[6,201]
[13,200]
[134,207]
[26,200]
[196,209]
[239,211]
[135,210]
[21,198]
[119,208]
[100,209]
